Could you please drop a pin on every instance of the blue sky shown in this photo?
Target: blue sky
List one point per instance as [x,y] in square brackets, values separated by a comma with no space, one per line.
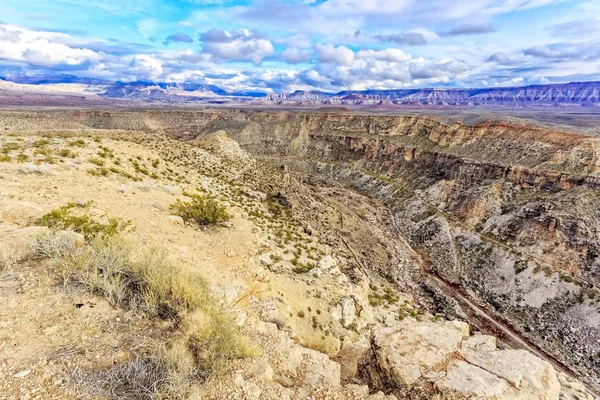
[284,45]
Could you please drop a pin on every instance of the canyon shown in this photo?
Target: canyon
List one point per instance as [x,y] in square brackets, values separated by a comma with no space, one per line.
[493,223]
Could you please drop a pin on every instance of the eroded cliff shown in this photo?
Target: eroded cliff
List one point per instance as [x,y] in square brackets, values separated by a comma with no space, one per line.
[502,221]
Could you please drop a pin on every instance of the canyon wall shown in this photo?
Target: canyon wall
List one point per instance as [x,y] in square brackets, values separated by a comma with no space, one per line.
[507,215]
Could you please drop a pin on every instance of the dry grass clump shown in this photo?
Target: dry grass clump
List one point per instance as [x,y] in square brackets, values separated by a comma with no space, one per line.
[66,153]
[145,280]
[63,218]
[158,373]
[77,143]
[141,279]
[201,210]
[4,261]
[52,245]
[215,341]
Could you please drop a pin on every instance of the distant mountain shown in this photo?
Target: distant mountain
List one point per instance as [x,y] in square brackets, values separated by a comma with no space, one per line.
[172,91]
[301,96]
[585,93]
[580,93]
[52,79]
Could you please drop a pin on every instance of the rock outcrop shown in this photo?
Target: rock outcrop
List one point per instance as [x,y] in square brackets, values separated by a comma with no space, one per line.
[441,357]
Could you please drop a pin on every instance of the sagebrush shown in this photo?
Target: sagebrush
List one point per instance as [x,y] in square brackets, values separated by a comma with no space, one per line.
[63,218]
[201,210]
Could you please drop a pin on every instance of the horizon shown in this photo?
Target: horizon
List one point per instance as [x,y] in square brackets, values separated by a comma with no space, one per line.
[44,77]
[281,46]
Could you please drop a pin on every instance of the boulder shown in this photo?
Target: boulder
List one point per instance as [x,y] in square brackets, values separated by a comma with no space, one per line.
[350,358]
[441,357]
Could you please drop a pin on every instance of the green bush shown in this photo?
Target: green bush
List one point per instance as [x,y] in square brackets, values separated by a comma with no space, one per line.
[62,219]
[201,210]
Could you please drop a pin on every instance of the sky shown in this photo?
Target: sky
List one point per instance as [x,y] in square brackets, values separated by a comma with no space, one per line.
[287,45]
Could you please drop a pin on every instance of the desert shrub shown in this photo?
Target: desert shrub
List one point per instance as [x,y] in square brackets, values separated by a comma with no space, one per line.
[4,262]
[145,281]
[43,151]
[10,146]
[300,268]
[124,173]
[77,143]
[67,153]
[141,378]
[216,343]
[62,219]
[157,372]
[41,143]
[22,157]
[100,171]
[51,245]
[5,158]
[97,161]
[201,210]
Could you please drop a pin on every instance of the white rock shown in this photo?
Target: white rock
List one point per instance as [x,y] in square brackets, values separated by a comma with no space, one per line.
[22,374]
[470,367]
[348,311]
[176,219]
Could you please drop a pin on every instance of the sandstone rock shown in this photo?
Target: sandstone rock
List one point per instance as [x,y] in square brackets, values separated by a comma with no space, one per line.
[350,357]
[571,389]
[260,370]
[254,194]
[229,294]
[316,272]
[405,353]
[443,355]
[345,311]
[176,219]
[250,390]
[309,370]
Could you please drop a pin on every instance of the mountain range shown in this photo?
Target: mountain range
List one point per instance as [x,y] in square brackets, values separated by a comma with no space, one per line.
[584,93]
[577,93]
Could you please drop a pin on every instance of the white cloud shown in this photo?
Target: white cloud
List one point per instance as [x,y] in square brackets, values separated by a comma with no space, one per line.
[294,55]
[240,45]
[328,53]
[298,40]
[39,48]
[392,55]
[146,66]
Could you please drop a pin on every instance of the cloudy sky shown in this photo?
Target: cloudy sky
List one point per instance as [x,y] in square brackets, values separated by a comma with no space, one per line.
[284,45]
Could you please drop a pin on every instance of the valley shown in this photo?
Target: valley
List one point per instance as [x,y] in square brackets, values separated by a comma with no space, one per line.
[350,231]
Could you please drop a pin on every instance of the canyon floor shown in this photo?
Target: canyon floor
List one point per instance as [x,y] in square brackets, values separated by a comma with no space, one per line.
[367,257]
